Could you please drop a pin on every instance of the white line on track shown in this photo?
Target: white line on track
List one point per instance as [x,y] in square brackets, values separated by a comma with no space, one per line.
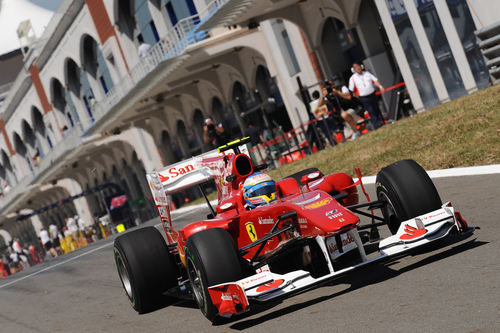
[70,259]
[455,172]
[55,265]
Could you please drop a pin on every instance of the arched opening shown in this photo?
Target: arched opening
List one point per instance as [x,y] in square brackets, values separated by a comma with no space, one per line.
[272,103]
[28,134]
[63,103]
[41,133]
[22,150]
[198,121]
[239,92]
[341,48]
[73,77]
[10,176]
[89,55]
[264,82]
[145,22]
[249,105]
[87,94]
[185,139]
[34,152]
[126,17]
[19,145]
[94,63]
[76,79]
[218,111]
[37,121]
[6,161]
[3,180]
[170,149]
[58,95]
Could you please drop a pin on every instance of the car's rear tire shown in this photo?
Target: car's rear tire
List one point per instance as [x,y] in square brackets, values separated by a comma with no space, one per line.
[211,258]
[145,266]
[408,192]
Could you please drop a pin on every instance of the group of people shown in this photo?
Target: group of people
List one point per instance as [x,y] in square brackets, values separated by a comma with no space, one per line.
[334,110]
[337,104]
[52,242]
[73,236]
[18,257]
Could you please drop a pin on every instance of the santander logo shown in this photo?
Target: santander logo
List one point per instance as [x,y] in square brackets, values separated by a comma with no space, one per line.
[270,286]
[175,172]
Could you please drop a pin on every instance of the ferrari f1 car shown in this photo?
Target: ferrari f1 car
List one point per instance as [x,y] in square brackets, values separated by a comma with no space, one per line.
[305,231]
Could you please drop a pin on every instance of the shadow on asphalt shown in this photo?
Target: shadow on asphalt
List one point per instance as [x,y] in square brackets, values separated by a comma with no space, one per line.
[377,273]
[166,301]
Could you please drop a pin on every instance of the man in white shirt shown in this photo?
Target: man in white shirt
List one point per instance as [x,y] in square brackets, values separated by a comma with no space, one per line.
[54,236]
[15,261]
[17,246]
[71,224]
[143,47]
[47,243]
[363,84]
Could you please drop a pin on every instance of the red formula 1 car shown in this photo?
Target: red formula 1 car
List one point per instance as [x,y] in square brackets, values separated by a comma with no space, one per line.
[308,231]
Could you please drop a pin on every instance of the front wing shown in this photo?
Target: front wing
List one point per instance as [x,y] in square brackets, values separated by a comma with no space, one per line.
[233,298]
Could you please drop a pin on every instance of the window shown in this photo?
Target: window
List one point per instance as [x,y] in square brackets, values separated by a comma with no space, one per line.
[145,22]
[442,51]
[465,27]
[413,53]
[286,47]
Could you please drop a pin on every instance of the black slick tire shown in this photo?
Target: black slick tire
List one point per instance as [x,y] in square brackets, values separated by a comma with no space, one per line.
[145,266]
[211,258]
[408,192]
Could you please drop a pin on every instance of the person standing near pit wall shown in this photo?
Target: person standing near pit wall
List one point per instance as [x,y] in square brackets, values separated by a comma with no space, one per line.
[363,83]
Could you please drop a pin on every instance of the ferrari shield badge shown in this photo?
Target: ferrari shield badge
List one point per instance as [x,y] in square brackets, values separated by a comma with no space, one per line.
[252,233]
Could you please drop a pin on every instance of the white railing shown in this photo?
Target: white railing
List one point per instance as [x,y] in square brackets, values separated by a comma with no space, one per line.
[70,141]
[5,87]
[15,191]
[172,45]
[212,7]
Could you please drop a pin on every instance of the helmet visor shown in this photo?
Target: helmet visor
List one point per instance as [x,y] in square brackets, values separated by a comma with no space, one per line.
[265,188]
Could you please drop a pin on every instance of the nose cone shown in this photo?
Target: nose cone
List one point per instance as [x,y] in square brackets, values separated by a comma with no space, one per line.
[320,214]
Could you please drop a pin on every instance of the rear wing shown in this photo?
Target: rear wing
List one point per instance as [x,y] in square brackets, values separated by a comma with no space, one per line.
[186,174]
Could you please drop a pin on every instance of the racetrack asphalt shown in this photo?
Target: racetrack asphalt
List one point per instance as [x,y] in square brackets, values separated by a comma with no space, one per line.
[451,288]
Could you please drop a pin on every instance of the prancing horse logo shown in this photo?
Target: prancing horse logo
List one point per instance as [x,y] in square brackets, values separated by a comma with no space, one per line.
[252,233]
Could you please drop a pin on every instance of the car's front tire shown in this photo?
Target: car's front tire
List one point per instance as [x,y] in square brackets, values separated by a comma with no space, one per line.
[211,258]
[145,266]
[408,192]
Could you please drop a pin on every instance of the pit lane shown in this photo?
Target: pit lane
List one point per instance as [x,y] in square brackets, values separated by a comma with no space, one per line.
[453,288]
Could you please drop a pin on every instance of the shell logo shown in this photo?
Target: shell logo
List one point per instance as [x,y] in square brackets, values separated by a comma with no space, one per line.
[317,204]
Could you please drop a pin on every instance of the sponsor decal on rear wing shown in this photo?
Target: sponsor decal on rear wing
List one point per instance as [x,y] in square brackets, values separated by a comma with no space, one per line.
[183,175]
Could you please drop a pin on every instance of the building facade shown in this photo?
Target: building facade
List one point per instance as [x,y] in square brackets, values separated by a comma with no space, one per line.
[88,114]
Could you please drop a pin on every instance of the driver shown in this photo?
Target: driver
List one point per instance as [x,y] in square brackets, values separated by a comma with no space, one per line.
[259,189]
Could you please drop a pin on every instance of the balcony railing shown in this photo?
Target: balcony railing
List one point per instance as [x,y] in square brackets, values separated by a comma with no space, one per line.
[173,44]
[70,141]
[16,190]
[223,12]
